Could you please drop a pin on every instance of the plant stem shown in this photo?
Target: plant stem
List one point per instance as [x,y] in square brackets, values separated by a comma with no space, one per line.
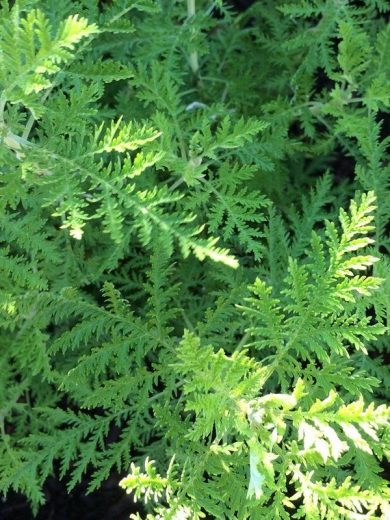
[3,102]
[31,119]
[194,62]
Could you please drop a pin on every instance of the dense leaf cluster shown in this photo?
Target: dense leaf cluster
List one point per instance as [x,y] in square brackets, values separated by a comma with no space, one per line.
[195,293]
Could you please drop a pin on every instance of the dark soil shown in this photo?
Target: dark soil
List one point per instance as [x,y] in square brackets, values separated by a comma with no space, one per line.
[110,502]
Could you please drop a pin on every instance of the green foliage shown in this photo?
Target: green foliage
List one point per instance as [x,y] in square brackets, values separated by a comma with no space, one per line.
[194,209]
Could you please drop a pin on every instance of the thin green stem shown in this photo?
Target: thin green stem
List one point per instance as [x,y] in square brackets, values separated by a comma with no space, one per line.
[176,184]
[194,61]
[242,342]
[3,102]
[32,119]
